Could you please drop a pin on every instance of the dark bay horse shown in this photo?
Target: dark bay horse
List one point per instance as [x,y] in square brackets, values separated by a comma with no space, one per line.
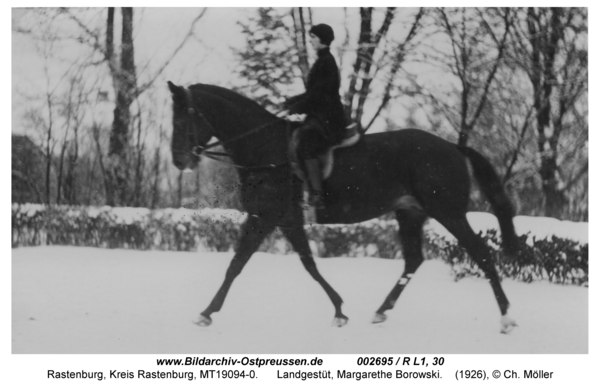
[410,172]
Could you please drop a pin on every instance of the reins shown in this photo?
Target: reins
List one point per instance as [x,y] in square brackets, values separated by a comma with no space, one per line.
[211,156]
[199,150]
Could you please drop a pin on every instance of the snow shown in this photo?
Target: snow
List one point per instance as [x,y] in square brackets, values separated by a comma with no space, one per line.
[538,227]
[184,214]
[86,300]
[130,215]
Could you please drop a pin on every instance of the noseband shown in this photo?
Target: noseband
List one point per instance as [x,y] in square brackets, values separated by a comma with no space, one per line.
[192,114]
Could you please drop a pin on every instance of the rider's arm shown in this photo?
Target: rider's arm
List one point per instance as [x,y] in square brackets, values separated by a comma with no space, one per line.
[293,103]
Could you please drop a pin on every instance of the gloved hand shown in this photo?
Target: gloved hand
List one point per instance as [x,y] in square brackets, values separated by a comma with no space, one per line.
[283,113]
[289,102]
[296,117]
[292,103]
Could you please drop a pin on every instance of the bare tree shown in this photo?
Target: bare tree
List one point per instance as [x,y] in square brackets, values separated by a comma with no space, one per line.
[45,47]
[364,63]
[73,110]
[82,154]
[551,48]
[124,171]
[398,55]
[124,80]
[477,52]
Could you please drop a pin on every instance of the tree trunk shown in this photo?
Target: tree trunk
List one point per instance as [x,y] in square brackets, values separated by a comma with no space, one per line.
[125,82]
[544,43]
[300,40]
[61,163]
[364,40]
[70,191]
[155,185]
[368,63]
[179,190]
[49,148]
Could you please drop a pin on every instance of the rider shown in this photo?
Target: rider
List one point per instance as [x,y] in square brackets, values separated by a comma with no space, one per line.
[324,124]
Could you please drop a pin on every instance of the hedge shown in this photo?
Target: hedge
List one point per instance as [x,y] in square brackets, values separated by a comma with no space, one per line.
[555,259]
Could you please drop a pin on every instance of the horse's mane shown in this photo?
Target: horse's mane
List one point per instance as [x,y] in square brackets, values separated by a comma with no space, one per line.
[235,98]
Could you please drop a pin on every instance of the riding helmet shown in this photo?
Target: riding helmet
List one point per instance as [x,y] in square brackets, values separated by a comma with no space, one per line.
[324,32]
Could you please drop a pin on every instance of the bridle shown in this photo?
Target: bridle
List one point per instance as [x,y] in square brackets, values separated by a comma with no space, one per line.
[192,114]
[199,150]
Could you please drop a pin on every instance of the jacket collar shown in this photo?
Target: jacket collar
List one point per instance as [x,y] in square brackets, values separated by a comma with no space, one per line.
[323,51]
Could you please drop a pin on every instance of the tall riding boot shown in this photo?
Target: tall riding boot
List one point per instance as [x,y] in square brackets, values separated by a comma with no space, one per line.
[313,169]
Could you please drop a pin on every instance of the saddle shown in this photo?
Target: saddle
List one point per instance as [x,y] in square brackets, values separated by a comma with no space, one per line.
[351,137]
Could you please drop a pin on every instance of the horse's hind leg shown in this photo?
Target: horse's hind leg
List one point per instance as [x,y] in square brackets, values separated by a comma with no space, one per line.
[460,228]
[411,231]
[299,242]
[254,232]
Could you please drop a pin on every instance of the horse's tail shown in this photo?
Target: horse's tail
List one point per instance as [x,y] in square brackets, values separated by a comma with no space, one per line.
[492,188]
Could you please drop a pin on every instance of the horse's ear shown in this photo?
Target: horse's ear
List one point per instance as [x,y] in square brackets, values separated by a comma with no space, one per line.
[175,90]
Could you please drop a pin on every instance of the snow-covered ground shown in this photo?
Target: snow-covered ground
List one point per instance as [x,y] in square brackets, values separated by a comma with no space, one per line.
[86,300]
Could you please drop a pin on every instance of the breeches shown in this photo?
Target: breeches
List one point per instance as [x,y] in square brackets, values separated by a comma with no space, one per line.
[311,140]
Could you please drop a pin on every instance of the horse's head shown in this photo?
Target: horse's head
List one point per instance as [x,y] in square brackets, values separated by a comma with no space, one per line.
[190,130]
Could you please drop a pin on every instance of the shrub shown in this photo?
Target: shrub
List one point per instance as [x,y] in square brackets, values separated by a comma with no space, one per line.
[554,259]
[558,260]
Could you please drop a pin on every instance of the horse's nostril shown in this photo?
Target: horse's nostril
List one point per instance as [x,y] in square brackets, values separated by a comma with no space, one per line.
[178,164]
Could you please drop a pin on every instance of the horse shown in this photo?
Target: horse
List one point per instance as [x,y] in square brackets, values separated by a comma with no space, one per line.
[410,172]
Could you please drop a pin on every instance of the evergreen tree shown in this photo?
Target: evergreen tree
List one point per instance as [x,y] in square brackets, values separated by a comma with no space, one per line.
[270,58]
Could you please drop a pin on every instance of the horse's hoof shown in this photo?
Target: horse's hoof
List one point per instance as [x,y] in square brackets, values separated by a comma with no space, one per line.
[203,321]
[340,321]
[379,318]
[507,323]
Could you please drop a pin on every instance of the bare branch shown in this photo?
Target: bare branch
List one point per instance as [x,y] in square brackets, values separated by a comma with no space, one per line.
[189,34]
[517,150]
[492,74]
[397,62]
[582,172]
[300,42]
[363,42]
[367,77]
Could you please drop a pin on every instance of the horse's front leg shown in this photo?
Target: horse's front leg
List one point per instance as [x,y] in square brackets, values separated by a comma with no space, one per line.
[297,238]
[254,232]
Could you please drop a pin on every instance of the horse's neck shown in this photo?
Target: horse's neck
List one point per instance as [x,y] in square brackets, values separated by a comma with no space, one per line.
[234,114]
[265,144]
[251,135]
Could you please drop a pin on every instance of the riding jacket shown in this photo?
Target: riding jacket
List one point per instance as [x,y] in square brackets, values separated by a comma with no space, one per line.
[322,99]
